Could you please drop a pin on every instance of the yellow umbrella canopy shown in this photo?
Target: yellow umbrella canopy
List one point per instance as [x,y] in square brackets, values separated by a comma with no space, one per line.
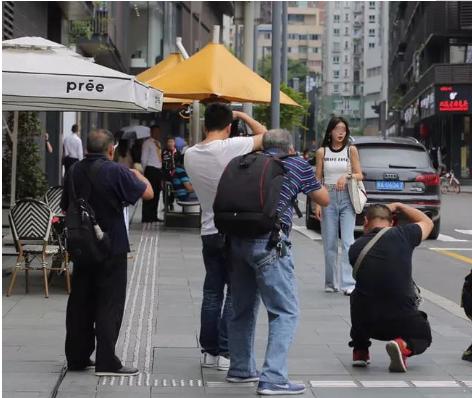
[214,73]
[160,69]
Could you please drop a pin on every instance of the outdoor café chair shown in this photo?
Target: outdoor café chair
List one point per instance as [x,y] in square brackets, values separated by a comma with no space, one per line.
[53,199]
[31,223]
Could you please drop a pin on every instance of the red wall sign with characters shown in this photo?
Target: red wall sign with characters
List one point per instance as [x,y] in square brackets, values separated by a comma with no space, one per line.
[454,99]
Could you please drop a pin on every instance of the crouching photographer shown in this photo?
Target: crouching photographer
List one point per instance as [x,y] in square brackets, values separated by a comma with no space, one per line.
[384,304]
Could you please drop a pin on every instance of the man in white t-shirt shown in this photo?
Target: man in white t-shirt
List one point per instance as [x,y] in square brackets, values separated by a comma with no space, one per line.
[205,163]
[73,150]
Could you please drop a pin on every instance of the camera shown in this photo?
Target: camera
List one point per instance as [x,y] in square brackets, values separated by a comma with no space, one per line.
[239,129]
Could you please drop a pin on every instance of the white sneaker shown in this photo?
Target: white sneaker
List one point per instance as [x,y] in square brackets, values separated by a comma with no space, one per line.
[222,363]
[331,289]
[208,360]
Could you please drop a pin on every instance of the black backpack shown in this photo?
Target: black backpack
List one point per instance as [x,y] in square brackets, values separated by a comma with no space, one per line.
[248,194]
[84,239]
[467,295]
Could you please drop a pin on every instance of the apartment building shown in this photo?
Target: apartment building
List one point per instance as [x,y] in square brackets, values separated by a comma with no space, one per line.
[354,62]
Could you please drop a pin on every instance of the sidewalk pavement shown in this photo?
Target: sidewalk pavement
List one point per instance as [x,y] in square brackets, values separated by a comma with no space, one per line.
[159,335]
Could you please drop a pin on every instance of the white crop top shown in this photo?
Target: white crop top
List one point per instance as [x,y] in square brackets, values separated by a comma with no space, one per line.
[335,164]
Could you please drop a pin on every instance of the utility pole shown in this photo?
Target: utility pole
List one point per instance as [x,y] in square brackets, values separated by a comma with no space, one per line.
[248,53]
[284,42]
[275,84]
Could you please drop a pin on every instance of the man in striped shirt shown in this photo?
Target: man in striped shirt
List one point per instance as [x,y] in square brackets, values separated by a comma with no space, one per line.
[268,274]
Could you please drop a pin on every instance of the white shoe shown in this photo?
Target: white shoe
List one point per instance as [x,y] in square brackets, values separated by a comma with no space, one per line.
[331,290]
[222,363]
[348,291]
[208,360]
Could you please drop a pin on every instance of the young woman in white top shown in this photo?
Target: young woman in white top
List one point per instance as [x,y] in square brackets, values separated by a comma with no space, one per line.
[332,167]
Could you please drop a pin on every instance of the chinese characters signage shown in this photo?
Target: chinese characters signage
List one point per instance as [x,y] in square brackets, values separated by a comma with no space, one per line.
[454,99]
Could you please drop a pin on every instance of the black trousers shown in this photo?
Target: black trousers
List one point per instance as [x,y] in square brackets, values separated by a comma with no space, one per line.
[370,320]
[95,311]
[68,161]
[154,175]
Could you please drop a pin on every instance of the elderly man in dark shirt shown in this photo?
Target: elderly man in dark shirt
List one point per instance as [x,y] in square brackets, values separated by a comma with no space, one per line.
[383,304]
[96,304]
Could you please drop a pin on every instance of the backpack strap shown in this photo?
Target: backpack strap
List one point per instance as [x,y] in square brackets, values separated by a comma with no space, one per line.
[366,249]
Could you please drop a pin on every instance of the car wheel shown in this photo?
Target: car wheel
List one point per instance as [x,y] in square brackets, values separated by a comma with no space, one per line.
[435,232]
[310,222]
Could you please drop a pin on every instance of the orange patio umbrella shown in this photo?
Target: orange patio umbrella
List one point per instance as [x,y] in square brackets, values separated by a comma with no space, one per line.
[160,69]
[213,73]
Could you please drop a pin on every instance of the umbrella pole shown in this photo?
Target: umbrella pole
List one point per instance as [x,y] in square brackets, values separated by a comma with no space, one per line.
[14,156]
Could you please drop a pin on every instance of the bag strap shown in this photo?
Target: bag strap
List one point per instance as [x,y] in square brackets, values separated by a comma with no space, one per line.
[366,249]
[93,178]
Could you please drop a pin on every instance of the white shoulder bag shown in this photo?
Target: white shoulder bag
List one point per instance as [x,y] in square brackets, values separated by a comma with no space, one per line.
[356,188]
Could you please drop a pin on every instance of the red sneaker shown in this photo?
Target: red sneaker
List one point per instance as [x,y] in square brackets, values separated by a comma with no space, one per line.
[360,358]
[398,351]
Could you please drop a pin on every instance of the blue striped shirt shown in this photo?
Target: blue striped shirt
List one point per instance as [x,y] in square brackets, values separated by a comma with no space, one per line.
[299,177]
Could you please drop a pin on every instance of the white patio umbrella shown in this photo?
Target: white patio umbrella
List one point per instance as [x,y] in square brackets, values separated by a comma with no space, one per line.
[40,75]
[135,132]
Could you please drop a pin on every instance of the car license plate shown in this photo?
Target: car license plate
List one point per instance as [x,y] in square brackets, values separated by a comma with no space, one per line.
[389,185]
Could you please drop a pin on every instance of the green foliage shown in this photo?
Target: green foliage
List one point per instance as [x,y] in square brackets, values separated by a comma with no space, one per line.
[290,116]
[30,179]
[295,68]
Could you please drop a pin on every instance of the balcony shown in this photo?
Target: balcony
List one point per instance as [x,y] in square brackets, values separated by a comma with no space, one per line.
[92,37]
[440,74]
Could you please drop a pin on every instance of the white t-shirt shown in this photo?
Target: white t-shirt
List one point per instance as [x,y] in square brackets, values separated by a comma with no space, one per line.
[335,164]
[204,164]
[73,147]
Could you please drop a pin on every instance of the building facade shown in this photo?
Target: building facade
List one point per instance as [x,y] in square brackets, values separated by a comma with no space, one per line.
[304,30]
[430,80]
[353,62]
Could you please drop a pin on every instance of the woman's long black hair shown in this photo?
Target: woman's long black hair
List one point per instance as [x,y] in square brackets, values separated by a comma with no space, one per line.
[331,125]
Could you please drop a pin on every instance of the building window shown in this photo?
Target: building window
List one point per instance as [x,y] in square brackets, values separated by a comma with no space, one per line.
[336,32]
[457,54]
[346,73]
[346,87]
[302,49]
[335,74]
[336,46]
[314,50]
[267,35]
[346,59]
[346,45]
[336,88]
[337,4]
[289,49]
[371,32]
[346,31]
[303,37]
[346,17]
[371,18]
[313,37]
[371,45]
[335,59]
[293,36]
[336,18]
[296,18]
[371,72]
[371,5]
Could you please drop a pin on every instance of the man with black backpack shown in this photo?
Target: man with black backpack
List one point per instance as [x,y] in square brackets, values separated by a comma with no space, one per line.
[204,163]
[95,190]
[254,207]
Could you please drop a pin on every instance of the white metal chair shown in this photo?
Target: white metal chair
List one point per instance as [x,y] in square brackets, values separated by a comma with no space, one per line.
[30,222]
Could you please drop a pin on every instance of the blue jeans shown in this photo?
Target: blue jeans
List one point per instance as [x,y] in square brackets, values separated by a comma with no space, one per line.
[339,213]
[258,273]
[214,323]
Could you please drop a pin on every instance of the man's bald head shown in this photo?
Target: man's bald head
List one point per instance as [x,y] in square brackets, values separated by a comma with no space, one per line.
[99,140]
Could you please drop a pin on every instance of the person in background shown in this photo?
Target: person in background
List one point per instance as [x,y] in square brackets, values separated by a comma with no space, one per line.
[170,157]
[151,160]
[183,188]
[467,304]
[384,302]
[205,163]
[335,160]
[73,149]
[47,143]
[123,154]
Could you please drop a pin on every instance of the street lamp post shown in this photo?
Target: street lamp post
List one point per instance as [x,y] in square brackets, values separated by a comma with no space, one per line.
[275,84]
[284,42]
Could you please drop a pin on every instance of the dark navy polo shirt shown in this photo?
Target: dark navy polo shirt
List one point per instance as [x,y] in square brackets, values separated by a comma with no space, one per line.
[118,185]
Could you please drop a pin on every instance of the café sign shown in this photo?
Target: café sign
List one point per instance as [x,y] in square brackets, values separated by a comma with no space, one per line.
[454,99]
